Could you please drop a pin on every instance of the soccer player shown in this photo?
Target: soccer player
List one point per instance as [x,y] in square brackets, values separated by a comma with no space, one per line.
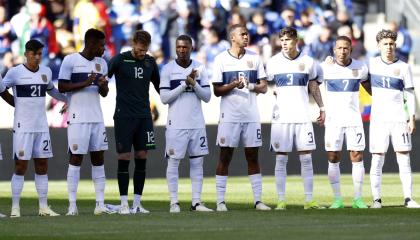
[391,79]
[31,137]
[183,86]
[237,78]
[83,77]
[134,70]
[342,81]
[291,121]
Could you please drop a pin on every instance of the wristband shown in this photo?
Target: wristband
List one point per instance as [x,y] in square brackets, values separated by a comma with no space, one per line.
[322,109]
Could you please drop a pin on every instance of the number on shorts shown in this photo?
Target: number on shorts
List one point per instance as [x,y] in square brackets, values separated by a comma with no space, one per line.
[150,137]
[359,136]
[203,142]
[346,84]
[258,133]
[46,144]
[406,138]
[311,137]
[105,137]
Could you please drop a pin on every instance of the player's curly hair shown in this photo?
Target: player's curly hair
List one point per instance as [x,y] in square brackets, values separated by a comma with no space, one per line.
[386,34]
[142,37]
[288,31]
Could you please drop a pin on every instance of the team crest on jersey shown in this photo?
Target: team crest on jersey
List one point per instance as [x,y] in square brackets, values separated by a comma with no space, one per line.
[301,66]
[21,153]
[171,151]
[44,78]
[396,72]
[328,144]
[250,64]
[98,67]
[222,140]
[75,147]
[355,72]
[276,145]
[146,64]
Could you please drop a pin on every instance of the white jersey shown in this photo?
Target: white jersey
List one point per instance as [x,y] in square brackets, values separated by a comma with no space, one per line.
[291,77]
[342,85]
[388,83]
[185,111]
[29,90]
[84,104]
[240,105]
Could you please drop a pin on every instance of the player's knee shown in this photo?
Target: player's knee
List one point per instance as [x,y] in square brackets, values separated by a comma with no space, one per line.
[196,162]
[124,156]
[140,154]
[356,156]
[76,159]
[333,157]
[41,166]
[20,167]
[97,158]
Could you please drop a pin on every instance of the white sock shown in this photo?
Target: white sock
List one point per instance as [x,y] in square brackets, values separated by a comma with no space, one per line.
[256,184]
[124,200]
[307,173]
[405,174]
[221,182]
[280,172]
[73,176]
[334,177]
[136,200]
[376,175]
[196,175]
[358,174]
[98,177]
[17,187]
[172,176]
[41,185]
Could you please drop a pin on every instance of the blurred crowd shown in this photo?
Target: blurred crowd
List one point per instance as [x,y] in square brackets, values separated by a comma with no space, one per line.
[61,24]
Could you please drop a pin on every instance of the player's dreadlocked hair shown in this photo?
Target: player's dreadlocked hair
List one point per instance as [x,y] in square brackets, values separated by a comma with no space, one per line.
[386,34]
[288,31]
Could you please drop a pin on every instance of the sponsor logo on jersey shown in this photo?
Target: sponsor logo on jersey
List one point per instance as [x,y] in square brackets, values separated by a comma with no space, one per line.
[250,64]
[396,72]
[75,147]
[44,77]
[276,145]
[98,67]
[171,151]
[355,72]
[222,140]
[301,66]
[21,153]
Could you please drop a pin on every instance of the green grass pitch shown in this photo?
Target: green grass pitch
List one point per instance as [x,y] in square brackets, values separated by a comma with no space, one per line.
[241,222]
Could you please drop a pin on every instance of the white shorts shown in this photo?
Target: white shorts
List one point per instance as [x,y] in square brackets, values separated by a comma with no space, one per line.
[334,137]
[86,137]
[380,132]
[283,134]
[31,145]
[181,141]
[229,134]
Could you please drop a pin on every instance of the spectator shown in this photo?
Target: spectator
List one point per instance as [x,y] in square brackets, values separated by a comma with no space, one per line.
[123,18]
[404,41]
[322,46]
